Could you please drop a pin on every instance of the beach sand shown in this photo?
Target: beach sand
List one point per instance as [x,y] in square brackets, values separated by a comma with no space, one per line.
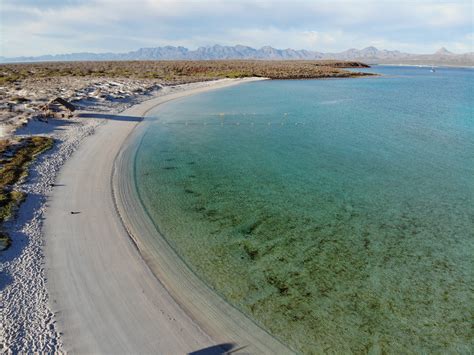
[105,297]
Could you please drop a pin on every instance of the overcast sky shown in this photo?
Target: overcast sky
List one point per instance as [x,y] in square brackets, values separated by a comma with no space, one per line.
[35,27]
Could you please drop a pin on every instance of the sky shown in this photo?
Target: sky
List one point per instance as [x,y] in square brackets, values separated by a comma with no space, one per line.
[37,27]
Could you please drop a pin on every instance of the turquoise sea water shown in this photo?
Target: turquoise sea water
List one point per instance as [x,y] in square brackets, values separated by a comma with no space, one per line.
[339,214]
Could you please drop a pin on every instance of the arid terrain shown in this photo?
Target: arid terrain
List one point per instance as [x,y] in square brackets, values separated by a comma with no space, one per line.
[178,71]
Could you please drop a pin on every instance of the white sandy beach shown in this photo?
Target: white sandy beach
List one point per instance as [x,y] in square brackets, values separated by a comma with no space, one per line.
[106,299]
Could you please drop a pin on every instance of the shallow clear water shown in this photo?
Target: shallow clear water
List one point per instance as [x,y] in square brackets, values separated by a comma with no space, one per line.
[339,214]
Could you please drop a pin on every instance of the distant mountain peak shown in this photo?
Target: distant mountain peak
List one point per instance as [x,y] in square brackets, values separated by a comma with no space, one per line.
[443,51]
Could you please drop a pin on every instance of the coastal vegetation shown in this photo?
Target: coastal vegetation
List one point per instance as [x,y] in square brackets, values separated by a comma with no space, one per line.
[15,158]
[178,72]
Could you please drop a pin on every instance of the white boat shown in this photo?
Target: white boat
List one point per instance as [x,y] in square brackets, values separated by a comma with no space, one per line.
[432,69]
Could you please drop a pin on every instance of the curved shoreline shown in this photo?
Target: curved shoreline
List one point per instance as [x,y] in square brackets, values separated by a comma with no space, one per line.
[222,321]
[103,292]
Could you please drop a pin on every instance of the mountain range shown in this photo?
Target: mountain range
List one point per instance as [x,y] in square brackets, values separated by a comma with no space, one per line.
[370,55]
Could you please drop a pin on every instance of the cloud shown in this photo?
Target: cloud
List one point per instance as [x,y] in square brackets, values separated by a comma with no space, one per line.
[31,27]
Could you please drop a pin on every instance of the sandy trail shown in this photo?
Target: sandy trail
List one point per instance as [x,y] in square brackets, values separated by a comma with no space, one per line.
[106,298]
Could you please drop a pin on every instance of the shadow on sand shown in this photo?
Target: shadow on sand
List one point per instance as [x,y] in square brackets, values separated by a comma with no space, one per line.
[35,126]
[220,349]
[109,117]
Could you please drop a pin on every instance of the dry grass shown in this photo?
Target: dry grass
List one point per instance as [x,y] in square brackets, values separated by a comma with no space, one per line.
[175,72]
[15,159]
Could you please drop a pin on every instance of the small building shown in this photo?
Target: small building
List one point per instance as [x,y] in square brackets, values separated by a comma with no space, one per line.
[58,106]
[61,102]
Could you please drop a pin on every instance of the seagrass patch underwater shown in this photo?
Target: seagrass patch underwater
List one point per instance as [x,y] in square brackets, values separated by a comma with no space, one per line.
[339,214]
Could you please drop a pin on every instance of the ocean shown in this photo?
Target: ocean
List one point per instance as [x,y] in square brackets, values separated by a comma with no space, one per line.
[338,214]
